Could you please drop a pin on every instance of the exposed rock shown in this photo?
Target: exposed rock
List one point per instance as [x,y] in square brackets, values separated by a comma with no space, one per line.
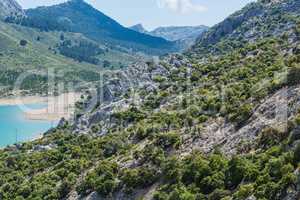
[62,123]
[249,24]
[251,198]
[273,112]
[139,28]
[112,96]
[10,8]
[44,147]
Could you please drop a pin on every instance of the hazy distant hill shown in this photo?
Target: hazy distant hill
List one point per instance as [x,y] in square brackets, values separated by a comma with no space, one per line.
[139,28]
[174,33]
[78,16]
[183,35]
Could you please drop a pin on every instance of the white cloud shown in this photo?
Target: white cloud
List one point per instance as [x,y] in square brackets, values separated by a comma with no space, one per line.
[181,6]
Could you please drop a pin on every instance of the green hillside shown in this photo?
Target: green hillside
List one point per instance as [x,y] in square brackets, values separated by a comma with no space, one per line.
[42,52]
[80,17]
[220,122]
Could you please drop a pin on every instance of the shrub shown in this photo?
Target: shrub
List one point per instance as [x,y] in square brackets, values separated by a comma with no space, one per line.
[219,194]
[297,155]
[195,169]
[210,183]
[235,172]
[173,170]
[102,179]
[242,114]
[181,193]
[267,191]
[271,136]
[244,192]
[160,196]
[138,178]
[167,140]
[293,76]
[23,42]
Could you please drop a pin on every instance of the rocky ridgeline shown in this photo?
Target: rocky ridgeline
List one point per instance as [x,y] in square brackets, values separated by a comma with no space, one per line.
[10,8]
[257,20]
[111,96]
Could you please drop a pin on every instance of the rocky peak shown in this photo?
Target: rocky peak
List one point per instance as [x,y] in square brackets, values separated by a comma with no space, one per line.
[10,8]
[139,28]
[271,1]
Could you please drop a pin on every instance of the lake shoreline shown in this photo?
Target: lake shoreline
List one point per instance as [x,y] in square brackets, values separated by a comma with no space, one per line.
[57,107]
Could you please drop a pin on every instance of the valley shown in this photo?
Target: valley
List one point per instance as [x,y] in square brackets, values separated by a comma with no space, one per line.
[218,121]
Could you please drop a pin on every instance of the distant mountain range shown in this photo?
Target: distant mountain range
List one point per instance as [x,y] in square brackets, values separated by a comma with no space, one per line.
[180,34]
[80,17]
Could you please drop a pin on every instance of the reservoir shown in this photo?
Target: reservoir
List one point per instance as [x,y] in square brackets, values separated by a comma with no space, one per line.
[16,128]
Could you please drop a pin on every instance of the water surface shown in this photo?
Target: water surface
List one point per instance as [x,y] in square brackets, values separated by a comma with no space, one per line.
[15,128]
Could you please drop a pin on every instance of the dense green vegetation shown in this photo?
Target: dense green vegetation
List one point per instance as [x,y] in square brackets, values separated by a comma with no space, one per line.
[86,164]
[53,173]
[23,50]
[84,51]
[149,146]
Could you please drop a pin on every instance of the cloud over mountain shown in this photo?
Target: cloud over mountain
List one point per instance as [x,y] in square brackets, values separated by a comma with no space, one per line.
[181,6]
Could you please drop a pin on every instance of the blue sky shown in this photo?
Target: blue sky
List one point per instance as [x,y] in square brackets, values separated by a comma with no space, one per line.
[154,13]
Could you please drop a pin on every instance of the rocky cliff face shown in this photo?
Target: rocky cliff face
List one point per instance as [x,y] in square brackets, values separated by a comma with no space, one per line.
[118,84]
[256,21]
[10,8]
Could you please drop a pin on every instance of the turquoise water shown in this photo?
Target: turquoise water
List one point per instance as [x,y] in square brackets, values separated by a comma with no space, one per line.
[14,127]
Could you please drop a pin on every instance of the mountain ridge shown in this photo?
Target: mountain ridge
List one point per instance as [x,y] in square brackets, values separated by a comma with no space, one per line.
[184,36]
[250,24]
[79,16]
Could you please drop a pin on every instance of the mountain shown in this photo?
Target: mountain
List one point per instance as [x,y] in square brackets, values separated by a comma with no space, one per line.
[174,33]
[23,48]
[9,8]
[80,17]
[184,36]
[257,20]
[218,122]
[139,28]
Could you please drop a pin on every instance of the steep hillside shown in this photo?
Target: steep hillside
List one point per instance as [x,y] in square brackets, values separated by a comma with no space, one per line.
[257,20]
[24,49]
[78,16]
[10,8]
[43,51]
[210,124]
